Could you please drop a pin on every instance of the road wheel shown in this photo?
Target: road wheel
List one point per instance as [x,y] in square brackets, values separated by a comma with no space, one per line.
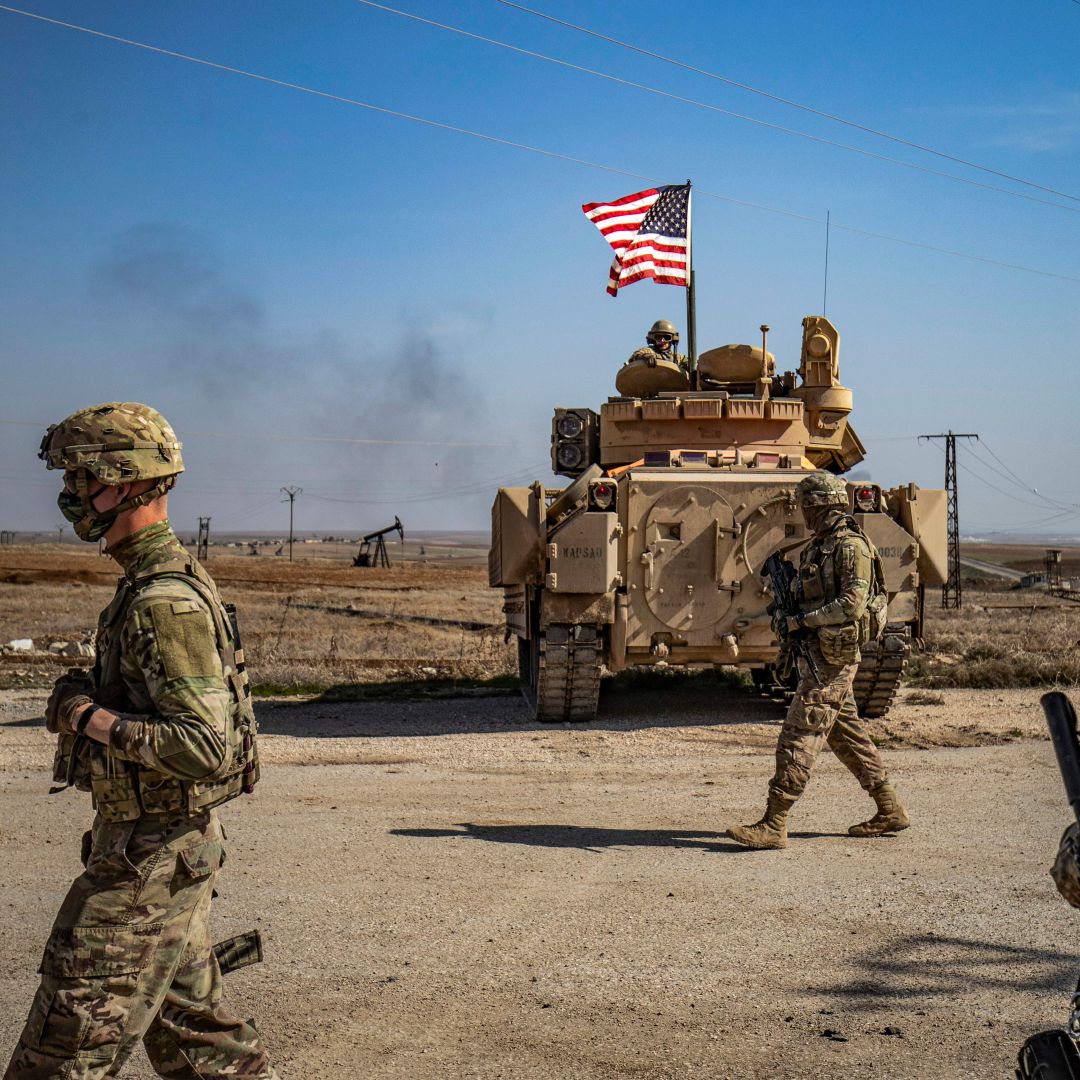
[566,661]
[880,670]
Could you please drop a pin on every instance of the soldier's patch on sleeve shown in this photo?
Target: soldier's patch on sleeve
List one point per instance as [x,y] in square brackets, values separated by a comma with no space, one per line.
[185,640]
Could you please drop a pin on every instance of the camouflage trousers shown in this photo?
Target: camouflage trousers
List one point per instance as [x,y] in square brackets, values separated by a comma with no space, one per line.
[823,711]
[130,956]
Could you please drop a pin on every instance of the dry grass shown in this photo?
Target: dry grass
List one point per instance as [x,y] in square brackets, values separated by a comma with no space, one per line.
[1002,637]
[319,624]
[307,626]
[924,697]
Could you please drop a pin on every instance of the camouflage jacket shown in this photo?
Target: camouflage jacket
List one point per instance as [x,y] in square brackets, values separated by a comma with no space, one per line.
[158,661]
[835,571]
[651,356]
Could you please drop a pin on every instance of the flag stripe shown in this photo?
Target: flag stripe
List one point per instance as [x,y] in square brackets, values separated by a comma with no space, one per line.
[648,232]
[628,213]
[648,197]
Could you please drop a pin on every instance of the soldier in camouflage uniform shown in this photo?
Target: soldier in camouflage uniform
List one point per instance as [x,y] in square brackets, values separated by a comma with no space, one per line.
[836,571]
[161,732]
[661,342]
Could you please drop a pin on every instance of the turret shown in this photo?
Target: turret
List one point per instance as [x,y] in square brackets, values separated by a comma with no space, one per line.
[742,414]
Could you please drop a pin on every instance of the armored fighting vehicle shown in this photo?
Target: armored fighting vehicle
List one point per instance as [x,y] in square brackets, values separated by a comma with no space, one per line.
[653,552]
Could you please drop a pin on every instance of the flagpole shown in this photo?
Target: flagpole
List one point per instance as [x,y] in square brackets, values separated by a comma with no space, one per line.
[691,306]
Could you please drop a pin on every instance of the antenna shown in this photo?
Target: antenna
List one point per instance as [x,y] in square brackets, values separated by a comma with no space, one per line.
[825,296]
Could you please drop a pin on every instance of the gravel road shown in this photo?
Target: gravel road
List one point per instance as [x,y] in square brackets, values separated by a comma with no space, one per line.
[446,890]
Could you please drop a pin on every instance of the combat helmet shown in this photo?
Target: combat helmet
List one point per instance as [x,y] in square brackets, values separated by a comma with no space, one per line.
[821,489]
[116,443]
[662,326]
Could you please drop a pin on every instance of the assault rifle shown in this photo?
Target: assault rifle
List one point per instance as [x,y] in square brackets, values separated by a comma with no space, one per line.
[782,575]
[1061,720]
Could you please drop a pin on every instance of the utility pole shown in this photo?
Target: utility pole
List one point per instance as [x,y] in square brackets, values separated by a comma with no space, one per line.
[951,592]
[291,493]
[204,539]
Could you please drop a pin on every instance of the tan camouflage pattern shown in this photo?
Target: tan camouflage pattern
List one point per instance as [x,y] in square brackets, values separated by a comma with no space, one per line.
[119,442]
[824,713]
[130,957]
[164,651]
[651,355]
[821,489]
[1066,870]
[835,571]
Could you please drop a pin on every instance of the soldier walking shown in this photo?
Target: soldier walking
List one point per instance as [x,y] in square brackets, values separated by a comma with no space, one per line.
[837,575]
[160,732]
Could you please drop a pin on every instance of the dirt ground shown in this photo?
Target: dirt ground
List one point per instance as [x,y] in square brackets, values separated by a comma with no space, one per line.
[447,890]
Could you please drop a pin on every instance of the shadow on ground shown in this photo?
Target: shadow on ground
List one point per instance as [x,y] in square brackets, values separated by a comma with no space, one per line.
[582,837]
[422,709]
[933,966]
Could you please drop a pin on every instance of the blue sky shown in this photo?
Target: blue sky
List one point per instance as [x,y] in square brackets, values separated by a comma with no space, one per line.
[271,268]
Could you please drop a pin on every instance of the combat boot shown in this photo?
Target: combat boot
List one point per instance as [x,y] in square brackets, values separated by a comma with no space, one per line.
[771,830]
[890,817]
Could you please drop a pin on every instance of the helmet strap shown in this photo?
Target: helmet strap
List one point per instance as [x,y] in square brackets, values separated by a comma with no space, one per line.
[147,497]
[92,516]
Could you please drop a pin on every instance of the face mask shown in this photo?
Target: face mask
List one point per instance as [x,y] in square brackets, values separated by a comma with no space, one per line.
[90,527]
[817,516]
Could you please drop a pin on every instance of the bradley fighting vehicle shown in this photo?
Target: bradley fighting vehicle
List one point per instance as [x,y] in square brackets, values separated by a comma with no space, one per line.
[653,552]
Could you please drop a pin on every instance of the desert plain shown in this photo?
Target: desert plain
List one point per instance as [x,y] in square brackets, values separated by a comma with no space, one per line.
[446,889]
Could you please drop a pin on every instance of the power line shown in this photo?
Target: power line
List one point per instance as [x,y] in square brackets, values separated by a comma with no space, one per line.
[555,155]
[996,489]
[1024,483]
[1011,478]
[1026,525]
[716,108]
[787,101]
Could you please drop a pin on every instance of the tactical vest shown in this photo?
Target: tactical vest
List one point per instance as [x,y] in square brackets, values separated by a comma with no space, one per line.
[125,791]
[819,582]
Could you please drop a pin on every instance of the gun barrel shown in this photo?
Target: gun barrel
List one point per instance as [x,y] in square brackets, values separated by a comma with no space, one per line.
[1061,720]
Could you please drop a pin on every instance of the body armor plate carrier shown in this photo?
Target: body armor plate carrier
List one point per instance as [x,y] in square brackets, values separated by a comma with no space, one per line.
[125,791]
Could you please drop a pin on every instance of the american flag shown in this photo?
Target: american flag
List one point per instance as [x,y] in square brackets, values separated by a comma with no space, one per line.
[648,231]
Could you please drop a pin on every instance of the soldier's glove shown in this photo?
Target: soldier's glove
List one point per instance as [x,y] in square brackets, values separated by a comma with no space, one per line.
[68,693]
[794,623]
[650,361]
[1066,870]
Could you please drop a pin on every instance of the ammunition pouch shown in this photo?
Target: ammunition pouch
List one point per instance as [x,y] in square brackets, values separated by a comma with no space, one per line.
[124,791]
[839,644]
[131,792]
[71,763]
[812,590]
[872,624]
